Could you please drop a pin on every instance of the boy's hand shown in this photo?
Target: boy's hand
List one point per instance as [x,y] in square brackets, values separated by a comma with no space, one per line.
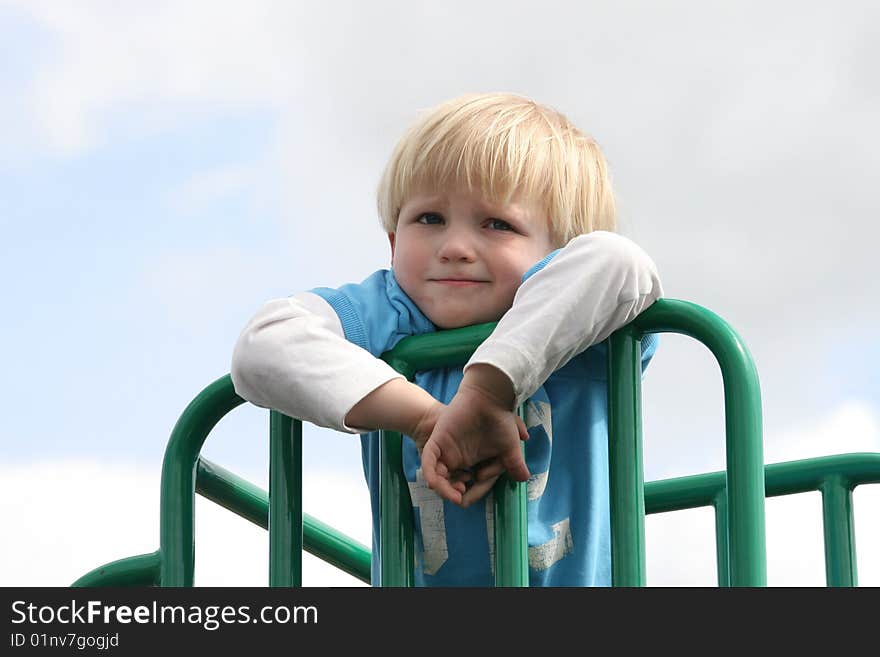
[401,406]
[420,434]
[478,427]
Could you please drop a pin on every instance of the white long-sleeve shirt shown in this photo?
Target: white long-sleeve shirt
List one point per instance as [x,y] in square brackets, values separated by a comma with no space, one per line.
[293,357]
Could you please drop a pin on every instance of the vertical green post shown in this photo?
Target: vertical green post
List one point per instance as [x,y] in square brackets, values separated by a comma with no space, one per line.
[722,541]
[510,513]
[745,470]
[178,487]
[743,424]
[837,516]
[625,459]
[285,500]
[177,536]
[396,543]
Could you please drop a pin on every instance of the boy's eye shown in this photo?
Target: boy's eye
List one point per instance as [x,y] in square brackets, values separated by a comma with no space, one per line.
[499,224]
[429,218]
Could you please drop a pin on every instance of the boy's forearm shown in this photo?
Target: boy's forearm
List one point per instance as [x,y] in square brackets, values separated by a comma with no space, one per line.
[292,358]
[397,405]
[596,284]
[492,382]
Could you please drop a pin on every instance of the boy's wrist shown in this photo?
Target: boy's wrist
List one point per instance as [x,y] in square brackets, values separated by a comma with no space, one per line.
[492,383]
[396,405]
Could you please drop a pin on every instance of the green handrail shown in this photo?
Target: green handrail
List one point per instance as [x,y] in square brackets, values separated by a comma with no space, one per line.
[744,508]
[742,504]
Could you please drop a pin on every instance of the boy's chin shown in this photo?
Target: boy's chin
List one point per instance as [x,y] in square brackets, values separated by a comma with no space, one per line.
[460,321]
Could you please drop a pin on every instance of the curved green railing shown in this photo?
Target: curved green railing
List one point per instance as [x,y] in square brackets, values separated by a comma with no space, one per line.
[737,494]
[746,542]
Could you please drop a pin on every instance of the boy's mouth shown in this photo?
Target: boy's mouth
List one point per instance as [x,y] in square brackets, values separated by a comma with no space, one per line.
[456,282]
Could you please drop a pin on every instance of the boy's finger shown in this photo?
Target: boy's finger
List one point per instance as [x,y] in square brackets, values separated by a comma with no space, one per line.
[492,469]
[515,465]
[477,491]
[438,484]
[449,492]
[521,427]
[462,475]
[429,464]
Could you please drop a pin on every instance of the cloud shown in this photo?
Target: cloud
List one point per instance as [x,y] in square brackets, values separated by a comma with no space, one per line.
[138,57]
[198,287]
[854,426]
[78,515]
[205,189]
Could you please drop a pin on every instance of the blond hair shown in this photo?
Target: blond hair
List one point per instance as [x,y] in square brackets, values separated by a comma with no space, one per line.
[507,147]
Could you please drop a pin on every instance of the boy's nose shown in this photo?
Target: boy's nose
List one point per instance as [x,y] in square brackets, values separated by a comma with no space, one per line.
[456,247]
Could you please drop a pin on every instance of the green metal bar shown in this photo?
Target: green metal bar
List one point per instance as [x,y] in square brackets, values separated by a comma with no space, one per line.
[625,460]
[177,505]
[336,548]
[722,558]
[839,529]
[808,474]
[226,489]
[441,349]
[140,570]
[510,520]
[790,477]
[743,422]
[252,503]
[684,492]
[285,500]
[396,541]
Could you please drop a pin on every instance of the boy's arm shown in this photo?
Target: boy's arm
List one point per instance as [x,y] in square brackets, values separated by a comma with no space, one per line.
[596,284]
[478,428]
[292,356]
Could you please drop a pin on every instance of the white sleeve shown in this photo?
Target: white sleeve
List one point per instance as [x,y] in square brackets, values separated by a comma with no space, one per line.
[597,283]
[293,357]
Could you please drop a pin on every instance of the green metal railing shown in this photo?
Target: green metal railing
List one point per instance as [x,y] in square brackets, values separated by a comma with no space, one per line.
[744,508]
[737,494]
[835,477]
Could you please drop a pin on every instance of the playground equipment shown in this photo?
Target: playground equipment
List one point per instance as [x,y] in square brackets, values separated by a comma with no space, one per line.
[737,495]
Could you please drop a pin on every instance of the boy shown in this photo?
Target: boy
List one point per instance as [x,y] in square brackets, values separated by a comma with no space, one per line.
[496,208]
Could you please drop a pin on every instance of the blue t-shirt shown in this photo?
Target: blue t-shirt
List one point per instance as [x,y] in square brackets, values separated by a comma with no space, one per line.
[567,456]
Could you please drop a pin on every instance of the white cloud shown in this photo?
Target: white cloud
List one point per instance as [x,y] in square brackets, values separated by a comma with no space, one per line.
[206,188]
[140,56]
[852,427]
[198,288]
[63,519]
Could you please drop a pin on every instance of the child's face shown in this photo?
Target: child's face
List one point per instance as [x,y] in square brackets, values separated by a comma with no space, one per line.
[461,258]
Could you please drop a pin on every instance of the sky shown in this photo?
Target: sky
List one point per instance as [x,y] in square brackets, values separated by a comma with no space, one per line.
[167,167]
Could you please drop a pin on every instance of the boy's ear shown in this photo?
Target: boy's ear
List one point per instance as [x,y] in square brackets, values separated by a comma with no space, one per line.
[391,241]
